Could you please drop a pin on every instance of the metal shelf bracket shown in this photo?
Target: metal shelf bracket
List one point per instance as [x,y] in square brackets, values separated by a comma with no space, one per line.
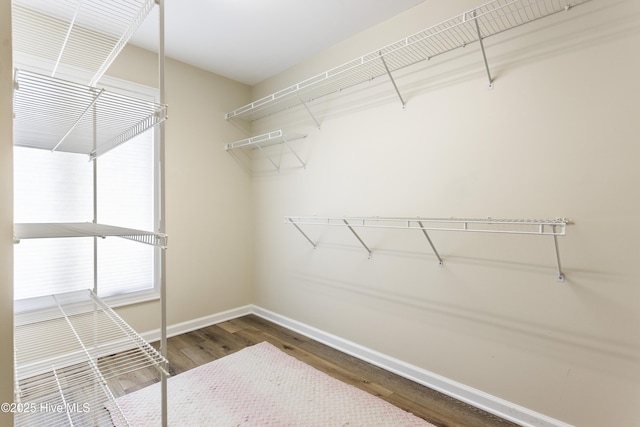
[560,277]
[303,233]
[358,237]
[484,54]
[393,82]
[309,111]
[275,165]
[424,231]
[286,143]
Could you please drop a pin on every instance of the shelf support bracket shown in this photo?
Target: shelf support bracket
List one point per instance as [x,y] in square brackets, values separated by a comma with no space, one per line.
[303,233]
[484,54]
[395,86]
[309,111]
[285,142]
[560,277]
[358,237]
[277,166]
[435,251]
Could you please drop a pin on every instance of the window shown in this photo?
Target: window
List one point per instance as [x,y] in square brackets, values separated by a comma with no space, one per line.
[58,187]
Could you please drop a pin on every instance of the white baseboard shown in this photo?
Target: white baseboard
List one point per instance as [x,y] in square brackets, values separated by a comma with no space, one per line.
[476,398]
[202,322]
[492,404]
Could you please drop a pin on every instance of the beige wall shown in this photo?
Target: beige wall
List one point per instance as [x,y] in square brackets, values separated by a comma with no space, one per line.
[208,202]
[557,136]
[6,212]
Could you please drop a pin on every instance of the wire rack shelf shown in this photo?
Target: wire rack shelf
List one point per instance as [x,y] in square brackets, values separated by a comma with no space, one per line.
[60,115]
[68,36]
[66,347]
[540,227]
[259,142]
[472,26]
[85,229]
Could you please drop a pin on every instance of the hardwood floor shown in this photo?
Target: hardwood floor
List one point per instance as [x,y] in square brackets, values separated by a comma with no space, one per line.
[198,347]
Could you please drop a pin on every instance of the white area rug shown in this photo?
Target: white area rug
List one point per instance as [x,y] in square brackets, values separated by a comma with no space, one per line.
[261,386]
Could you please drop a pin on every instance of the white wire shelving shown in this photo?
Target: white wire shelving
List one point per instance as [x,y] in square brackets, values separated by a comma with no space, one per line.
[75,36]
[85,229]
[66,348]
[539,227]
[472,26]
[266,140]
[60,115]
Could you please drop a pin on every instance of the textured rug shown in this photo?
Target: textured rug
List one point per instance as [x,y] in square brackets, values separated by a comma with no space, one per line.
[261,386]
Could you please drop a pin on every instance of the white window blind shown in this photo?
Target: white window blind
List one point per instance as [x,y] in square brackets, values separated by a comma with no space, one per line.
[52,187]
[126,199]
[58,187]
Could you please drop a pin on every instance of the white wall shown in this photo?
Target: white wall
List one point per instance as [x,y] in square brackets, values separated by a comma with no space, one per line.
[208,202]
[6,211]
[557,136]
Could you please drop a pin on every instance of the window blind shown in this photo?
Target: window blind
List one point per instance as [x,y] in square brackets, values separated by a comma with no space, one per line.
[126,198]
[58,187]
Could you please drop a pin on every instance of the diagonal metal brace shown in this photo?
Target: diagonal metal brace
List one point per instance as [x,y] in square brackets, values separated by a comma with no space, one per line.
[484,55]
[560,277]
[285,142]
[302,232]
[277,166]
[358,237]
[435,251]
[309,111]
[395,86]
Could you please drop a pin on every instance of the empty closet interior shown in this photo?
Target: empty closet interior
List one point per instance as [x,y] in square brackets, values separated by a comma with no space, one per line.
[448,195]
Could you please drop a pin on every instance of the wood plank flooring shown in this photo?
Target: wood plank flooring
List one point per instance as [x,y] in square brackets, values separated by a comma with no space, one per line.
[198,347]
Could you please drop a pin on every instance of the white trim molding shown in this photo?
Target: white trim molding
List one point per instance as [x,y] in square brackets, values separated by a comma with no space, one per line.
[479,399]
[202,322]
[492,404]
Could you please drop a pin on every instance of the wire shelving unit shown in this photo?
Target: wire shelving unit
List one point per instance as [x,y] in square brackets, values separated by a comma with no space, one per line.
[538,227]
[67,346]
[462,30]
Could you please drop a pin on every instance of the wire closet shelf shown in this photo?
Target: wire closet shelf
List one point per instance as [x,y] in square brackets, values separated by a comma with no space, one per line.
[540,227]
[66,348]
[59,115]
[85,229]
[268,139]
[472,26]
[79,38]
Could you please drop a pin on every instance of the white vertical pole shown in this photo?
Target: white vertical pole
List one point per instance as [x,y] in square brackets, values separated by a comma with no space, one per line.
[162,225]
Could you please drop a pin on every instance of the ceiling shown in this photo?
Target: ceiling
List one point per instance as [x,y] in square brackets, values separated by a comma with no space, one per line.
[252,40]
